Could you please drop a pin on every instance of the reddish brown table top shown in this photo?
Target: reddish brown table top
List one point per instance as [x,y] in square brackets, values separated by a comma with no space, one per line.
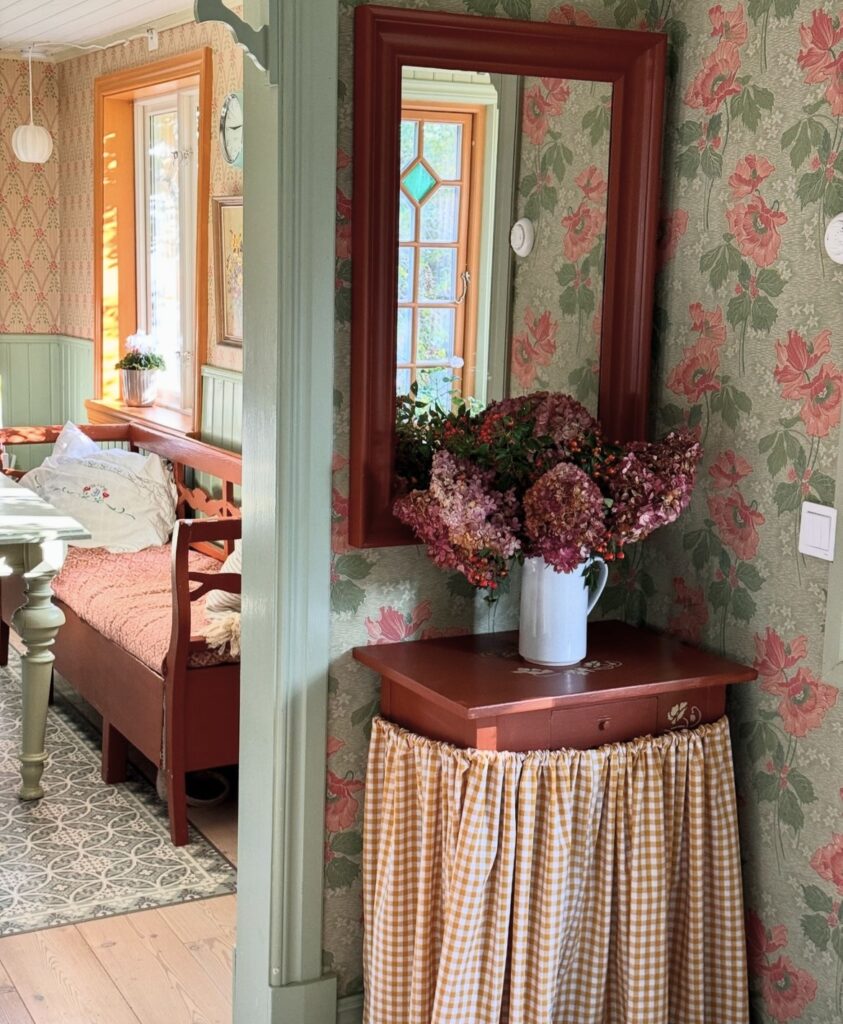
[483,675]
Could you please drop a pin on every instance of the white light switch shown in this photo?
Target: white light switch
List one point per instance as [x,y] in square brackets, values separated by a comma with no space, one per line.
[817,530]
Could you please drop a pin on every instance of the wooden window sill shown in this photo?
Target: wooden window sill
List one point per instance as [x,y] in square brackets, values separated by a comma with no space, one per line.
[105,410]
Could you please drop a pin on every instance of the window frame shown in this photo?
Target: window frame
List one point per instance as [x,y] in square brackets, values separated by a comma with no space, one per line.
[472,118]
[115,289]
[184,102]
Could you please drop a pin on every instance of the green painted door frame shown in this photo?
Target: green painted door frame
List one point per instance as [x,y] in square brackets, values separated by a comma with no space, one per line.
[289,210]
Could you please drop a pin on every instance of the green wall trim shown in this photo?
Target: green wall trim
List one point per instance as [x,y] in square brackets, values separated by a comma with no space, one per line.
[350,1009]
[221,373]
[222,407]
[289,236]
[44,379]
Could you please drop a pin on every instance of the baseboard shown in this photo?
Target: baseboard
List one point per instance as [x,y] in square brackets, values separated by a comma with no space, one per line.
[350,1009]
[312,1002]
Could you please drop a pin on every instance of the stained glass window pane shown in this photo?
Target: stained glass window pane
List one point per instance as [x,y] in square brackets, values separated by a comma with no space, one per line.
[405,334]
[418,182]
[409,142]
[402,382]
[437,275]
[406,219]
[406,260]
[443,148]
[436,335]
[440,215]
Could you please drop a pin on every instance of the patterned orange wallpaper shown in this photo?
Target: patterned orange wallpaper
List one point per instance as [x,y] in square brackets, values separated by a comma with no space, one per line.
[30,284]
[76,117]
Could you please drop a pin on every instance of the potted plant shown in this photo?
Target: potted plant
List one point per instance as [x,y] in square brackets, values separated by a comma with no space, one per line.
[139,369]
[533,480]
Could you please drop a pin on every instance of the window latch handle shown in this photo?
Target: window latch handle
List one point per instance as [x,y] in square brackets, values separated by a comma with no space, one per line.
[465,277]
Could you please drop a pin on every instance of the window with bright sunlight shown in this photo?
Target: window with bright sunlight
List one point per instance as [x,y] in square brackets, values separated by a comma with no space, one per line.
[166,163]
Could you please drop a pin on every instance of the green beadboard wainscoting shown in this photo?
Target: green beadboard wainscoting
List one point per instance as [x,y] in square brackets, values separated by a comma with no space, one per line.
[44,379]
[222,407]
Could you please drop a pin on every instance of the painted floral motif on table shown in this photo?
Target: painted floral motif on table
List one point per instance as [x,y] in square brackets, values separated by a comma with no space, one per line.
[749,353]
[558,288]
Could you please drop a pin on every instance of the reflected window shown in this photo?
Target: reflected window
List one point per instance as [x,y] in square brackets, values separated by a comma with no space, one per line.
[439,231]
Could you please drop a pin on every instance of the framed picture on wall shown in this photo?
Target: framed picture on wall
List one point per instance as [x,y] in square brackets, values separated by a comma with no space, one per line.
[228,269]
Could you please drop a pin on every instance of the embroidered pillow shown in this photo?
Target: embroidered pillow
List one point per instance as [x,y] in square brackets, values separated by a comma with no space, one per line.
[221,602]
[127,501]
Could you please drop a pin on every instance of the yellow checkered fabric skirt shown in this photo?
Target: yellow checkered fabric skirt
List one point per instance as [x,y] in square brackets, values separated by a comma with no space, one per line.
[574,887]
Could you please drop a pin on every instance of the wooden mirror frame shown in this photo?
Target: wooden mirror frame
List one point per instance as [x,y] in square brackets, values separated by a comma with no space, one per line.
[388,38]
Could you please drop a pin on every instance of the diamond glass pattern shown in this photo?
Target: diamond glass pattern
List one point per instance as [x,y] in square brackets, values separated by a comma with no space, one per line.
[418,181]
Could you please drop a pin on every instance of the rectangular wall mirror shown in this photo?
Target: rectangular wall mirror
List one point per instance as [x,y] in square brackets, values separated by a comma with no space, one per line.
[467,127]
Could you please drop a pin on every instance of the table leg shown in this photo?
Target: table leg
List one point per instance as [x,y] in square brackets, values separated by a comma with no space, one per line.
[37,621]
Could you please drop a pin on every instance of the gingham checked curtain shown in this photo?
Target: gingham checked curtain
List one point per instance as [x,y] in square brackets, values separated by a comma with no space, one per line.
[573,887]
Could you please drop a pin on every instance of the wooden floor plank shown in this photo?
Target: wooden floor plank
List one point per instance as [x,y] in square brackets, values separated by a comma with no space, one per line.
[219,826]
[12,1010]
[60,981]
[204,919]
[158,976]
[207,929]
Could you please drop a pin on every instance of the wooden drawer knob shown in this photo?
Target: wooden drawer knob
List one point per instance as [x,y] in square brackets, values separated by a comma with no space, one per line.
[603,724]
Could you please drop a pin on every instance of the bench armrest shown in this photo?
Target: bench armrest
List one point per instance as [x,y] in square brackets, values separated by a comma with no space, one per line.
[188,533]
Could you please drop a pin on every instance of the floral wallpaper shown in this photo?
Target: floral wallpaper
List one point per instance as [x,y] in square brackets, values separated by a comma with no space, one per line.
[30,278]
[562,189]
[749,353]
[76,120]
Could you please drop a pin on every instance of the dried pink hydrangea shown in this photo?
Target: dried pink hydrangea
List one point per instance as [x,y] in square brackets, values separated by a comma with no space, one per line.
[564,517]
[553,414]
[467,524]
[652,485]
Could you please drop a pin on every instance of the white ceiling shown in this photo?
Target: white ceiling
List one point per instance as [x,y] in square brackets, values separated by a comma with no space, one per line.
[61,22]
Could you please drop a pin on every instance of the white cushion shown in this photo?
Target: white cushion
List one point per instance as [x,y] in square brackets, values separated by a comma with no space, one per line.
[220,602]
[127,501]
[73,444]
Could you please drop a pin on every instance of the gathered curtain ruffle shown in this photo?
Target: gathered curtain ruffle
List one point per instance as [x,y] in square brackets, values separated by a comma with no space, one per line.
[553,887]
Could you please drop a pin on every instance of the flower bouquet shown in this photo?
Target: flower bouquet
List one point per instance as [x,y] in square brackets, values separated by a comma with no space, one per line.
[533,479]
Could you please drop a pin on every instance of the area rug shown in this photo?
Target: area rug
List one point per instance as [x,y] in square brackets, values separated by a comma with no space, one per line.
[87,850]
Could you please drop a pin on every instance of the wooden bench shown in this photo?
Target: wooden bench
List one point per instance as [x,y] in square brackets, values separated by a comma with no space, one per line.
[185,718]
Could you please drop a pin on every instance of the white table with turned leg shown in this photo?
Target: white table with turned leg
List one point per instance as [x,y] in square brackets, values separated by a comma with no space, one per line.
[33,542]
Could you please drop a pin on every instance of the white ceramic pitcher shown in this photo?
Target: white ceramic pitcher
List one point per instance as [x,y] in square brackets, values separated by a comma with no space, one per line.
[554,611]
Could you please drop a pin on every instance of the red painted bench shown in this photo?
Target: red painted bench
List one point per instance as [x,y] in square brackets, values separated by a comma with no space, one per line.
[182,713]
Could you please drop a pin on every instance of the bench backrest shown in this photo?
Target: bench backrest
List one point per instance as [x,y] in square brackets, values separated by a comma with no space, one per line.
[185,454]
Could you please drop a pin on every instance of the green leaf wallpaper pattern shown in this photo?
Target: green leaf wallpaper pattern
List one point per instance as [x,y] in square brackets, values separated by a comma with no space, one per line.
[748,352]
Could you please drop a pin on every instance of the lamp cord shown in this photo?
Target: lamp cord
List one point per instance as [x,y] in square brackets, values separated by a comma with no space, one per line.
[31,117]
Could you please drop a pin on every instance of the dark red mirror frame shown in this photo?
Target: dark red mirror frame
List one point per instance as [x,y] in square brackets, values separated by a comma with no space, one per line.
[386,39]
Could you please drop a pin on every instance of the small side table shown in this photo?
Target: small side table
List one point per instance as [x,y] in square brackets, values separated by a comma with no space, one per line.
[476,691]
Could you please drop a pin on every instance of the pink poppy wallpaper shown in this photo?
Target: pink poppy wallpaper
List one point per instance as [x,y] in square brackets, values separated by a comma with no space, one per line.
[749,354]
[558,288]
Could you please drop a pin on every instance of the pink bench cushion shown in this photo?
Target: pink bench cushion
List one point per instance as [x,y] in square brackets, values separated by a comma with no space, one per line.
[128,599]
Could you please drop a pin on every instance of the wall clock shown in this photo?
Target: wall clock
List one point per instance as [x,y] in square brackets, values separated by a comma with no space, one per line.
[231,129]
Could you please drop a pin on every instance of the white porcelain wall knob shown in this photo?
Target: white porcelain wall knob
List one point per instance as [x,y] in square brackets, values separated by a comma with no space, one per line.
[522,237]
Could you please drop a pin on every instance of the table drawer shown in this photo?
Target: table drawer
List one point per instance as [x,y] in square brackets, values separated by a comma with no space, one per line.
[603,723]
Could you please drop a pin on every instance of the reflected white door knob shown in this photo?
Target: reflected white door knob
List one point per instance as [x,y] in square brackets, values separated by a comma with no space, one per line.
[834,238]
[522,237]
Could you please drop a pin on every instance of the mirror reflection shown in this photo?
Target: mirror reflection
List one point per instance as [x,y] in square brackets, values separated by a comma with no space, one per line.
[478,152]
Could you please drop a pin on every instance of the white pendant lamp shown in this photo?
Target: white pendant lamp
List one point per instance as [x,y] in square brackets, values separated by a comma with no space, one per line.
[31,143]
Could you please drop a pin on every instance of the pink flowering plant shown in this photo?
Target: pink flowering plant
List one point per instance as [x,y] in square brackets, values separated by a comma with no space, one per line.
[529,477]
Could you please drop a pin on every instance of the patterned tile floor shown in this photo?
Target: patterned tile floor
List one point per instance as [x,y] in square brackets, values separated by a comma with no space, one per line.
[87,850]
